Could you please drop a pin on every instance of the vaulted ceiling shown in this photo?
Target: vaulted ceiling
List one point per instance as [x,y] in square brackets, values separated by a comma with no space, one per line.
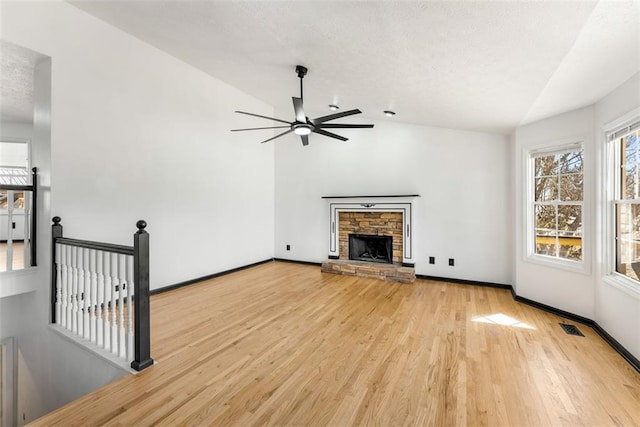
[487,66]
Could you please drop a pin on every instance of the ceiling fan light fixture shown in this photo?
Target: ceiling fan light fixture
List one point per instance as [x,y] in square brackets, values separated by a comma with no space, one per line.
[302,129]
[389,113]
[333,107]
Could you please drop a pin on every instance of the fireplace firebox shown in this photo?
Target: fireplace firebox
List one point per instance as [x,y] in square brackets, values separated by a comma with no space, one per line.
[371,248]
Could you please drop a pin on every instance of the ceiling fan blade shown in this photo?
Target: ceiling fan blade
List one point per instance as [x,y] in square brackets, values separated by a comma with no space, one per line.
[305,140]
[330,135]
[342,126]
[272,127]
[277,136]
[263,117]
[297,107]
[335,116]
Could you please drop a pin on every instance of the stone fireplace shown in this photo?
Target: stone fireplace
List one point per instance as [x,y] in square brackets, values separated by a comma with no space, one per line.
[372,223]
[371,237]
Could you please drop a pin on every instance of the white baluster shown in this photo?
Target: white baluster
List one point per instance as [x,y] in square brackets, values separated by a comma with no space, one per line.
[80,295]
[106,268]
[114,306]
[100,295]
[60,268]
[87,294]
[74,290]
[130,287]
[122,278]
[68,288]
[94,297]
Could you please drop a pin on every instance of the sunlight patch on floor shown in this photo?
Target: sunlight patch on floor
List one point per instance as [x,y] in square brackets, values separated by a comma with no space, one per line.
[502,319]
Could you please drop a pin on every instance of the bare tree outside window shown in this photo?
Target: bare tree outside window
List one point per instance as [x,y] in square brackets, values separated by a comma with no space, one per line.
[557,203]
[628,206]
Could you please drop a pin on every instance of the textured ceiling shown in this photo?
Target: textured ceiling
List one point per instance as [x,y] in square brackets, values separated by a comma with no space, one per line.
[16,82]
[482,65]
[470,65]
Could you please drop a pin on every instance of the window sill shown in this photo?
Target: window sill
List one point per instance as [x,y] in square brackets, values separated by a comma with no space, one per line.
[18,282]
[628,286]
[572,266]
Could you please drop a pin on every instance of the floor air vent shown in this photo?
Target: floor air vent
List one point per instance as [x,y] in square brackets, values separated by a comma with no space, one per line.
[571,329]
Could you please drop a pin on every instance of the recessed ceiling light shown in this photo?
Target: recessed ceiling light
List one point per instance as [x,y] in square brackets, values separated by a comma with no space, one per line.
[333,107]
[389,113]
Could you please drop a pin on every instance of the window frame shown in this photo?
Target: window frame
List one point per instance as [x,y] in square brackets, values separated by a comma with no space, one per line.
[530,255]
[611,170]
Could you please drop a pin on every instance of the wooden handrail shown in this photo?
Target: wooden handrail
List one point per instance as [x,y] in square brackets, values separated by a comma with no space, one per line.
[16,187]
[107,247]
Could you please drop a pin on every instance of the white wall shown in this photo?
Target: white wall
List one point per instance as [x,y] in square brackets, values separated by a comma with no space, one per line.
[135,134]
[16,130]
[139,134]
[50,371]
[463,178]
[567,290]
[12,153]
[617,311]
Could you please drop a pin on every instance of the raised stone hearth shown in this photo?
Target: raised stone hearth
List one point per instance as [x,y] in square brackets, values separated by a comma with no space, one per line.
[390,272]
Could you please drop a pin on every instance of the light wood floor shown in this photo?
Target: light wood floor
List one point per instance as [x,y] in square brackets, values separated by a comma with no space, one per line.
[284,344]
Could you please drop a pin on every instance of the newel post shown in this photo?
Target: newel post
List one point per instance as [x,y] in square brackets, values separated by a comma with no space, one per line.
[142,327]
[56,232]
[34,216]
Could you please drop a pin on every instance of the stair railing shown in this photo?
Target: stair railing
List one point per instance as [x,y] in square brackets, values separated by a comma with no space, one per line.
[100,293]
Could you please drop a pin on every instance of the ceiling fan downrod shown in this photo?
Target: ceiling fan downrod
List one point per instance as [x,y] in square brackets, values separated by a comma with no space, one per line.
[302,71]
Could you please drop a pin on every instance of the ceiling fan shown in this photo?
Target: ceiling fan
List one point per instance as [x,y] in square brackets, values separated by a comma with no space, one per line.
[302,125]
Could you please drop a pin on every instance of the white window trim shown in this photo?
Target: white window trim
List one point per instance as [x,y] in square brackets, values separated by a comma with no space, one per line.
[623,283]
[609,161]
[529,254]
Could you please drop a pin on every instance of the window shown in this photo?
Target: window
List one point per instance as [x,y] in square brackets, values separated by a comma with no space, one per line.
[557,183]
[626,146]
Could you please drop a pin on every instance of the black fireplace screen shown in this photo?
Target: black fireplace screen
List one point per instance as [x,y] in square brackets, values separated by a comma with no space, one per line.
[365,247]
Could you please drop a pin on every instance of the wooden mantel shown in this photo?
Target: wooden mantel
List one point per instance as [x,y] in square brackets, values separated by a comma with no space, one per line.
[370,197]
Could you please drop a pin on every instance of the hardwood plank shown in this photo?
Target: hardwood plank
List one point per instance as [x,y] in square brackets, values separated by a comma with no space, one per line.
[284,344]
